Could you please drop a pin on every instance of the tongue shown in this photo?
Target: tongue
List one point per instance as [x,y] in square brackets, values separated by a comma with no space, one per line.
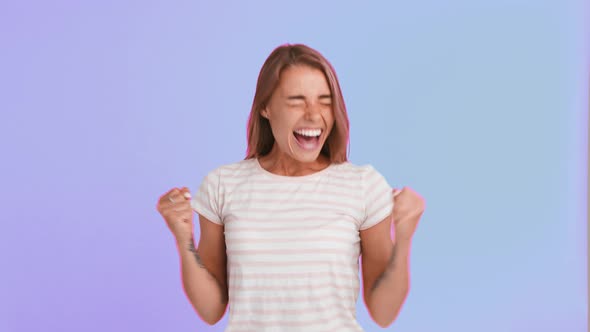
[307,142]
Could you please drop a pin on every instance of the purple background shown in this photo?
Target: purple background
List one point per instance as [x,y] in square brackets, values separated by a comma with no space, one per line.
[479,106]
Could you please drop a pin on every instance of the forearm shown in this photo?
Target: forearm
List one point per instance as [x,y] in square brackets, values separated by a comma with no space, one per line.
[203,290]
[391,287]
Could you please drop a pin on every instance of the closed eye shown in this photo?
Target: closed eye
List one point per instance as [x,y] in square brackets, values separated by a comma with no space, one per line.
[301,104]
[326,100]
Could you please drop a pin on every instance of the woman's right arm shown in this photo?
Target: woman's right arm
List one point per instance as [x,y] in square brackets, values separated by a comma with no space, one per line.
[204,275]
[203,269]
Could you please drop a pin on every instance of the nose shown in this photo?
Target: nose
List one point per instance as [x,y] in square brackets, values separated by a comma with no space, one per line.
[313,111]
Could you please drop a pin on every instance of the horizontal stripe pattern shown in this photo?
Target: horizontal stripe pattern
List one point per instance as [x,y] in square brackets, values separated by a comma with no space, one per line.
[293,243]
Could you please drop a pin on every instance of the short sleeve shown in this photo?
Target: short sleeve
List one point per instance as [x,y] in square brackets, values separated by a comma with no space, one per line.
[377,195]
[206,200]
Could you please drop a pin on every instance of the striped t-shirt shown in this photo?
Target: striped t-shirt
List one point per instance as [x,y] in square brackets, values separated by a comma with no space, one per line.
[292,242]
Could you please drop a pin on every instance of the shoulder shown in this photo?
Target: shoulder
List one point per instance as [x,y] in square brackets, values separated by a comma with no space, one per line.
[365,177]
[353,170]
[236,168]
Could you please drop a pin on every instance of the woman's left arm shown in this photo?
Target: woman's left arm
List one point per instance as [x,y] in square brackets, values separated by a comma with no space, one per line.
[386,257]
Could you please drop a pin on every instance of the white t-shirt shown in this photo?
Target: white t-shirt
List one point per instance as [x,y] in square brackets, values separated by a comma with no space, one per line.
[293,243]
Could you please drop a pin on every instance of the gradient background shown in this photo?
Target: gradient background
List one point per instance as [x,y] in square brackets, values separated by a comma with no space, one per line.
[479,106]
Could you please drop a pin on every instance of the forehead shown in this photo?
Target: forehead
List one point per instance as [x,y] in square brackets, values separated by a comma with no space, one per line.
[302,78]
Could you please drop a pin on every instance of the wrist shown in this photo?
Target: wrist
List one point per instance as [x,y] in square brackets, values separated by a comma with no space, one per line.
[402,246]
[184,241]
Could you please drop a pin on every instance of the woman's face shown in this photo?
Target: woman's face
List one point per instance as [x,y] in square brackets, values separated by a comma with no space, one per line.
[300,113]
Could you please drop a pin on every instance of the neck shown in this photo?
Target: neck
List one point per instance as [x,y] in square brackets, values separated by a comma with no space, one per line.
[281,163]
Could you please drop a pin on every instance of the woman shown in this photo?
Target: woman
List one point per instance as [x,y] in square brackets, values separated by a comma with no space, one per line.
[282,231]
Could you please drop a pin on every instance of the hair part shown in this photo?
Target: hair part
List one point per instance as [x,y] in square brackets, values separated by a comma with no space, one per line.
[260,138]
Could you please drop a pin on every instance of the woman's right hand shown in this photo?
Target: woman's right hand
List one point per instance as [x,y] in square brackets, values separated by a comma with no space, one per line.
[176,209]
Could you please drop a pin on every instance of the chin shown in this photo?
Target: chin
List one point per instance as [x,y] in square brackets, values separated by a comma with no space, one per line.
[307,157]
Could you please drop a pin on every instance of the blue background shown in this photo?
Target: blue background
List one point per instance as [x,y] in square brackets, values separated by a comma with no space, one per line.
[480,106]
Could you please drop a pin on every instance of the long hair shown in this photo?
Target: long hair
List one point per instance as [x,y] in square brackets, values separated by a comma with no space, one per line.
[260,138]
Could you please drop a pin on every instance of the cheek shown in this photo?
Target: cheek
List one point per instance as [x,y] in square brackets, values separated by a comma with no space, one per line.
[329,118]
[281,125]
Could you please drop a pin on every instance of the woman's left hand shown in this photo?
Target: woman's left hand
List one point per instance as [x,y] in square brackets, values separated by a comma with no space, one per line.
[408,207]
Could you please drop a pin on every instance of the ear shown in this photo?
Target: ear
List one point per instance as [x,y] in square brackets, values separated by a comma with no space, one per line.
[264,113]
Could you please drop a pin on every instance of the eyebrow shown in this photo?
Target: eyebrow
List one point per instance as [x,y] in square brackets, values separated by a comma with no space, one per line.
[301,97]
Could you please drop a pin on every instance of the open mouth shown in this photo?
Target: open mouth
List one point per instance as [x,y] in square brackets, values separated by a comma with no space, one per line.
[308,139]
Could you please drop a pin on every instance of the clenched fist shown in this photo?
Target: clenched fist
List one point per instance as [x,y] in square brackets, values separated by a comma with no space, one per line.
[176,209]
[408,208]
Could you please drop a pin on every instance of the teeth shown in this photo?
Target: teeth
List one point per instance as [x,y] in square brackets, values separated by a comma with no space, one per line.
[309,132]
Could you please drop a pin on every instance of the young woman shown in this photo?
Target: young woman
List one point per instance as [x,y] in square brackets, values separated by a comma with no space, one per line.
[281,232]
